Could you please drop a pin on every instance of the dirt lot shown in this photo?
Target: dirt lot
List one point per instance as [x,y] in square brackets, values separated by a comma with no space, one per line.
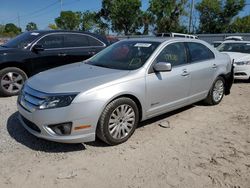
[202,146]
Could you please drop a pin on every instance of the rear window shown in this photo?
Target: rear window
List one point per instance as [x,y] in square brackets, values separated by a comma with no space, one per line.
[94,42]
[76,40]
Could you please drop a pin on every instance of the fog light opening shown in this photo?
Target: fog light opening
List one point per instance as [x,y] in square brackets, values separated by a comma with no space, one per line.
[61,129]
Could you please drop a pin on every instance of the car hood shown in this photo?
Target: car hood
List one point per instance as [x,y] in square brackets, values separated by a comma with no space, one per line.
[238,56]
[8,51]
[77,77]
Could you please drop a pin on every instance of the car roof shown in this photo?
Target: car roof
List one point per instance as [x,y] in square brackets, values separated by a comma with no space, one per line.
[44,32]
[234,41]
[162,39]
[56,31]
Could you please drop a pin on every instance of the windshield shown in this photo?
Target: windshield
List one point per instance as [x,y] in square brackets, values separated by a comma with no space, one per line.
[216,44]
[235,47]
[124,55]
[21,41]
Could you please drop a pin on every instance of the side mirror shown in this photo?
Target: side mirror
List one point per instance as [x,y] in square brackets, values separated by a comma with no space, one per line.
[38,48]
[162,67]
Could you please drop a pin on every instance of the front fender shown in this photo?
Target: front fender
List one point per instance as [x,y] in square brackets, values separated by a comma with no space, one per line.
[105,95]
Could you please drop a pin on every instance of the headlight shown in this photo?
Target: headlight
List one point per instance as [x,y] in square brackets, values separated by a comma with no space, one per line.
[243,63]
[57,101]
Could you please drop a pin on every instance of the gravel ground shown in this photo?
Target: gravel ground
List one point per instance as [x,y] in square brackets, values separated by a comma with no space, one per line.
[196,146]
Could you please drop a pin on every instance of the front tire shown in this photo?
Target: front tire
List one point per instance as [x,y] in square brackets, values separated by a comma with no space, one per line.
[217,92]
[11,81]
[118,121]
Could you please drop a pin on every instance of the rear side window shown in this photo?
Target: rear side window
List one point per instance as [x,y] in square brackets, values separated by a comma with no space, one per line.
[76,40]
[94,42]
[199,52]
[52,41]
[173,53]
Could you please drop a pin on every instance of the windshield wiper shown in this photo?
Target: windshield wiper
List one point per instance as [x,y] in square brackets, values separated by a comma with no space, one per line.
[101,65]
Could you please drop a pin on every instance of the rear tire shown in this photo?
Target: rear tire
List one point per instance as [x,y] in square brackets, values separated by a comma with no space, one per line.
[11,81]
[118,121]
[216,92]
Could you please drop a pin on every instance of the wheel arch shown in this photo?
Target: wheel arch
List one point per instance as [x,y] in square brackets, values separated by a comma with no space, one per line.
[132,97]
[228,79]
[16,65]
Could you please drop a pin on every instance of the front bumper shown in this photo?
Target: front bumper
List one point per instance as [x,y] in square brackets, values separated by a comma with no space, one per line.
[242,71]
[37,123]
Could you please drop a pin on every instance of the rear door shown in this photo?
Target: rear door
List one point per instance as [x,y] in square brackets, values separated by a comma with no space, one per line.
[79,47]
[202,67]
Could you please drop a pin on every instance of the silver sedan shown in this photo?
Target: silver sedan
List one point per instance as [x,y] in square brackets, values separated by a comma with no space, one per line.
[128,82]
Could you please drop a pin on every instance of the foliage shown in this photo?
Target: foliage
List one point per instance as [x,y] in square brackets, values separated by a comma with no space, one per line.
[146,19]
[241,25]
[216,15]
[53,26]
[31,26]
[126,17]
[2,28]
[88,20]
[68,20]
[11,29]
[167,14]
[122,15]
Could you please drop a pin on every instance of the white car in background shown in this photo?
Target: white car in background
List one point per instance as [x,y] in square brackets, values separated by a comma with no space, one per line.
[239,51]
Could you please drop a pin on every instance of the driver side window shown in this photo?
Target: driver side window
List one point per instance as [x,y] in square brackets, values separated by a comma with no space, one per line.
[52,41]
[174,53]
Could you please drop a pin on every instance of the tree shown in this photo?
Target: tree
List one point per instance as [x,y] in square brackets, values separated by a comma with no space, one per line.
[122,15]
[11,29]
[216,15]
[167,14]
[2,29]
[147,19]
[91,21]
[31,26]
[68,20]
[53,26]
[241,25]
[88,20]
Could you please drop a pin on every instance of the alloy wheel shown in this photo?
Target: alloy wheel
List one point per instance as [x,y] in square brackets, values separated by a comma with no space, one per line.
[218,90]
[121,121]
[12,82]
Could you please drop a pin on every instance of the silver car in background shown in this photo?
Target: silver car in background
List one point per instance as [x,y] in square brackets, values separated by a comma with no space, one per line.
[128,82]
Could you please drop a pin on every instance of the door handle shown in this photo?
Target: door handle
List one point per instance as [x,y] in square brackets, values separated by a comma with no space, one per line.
[62,54]
[92,53]
[185,72]
[214,66]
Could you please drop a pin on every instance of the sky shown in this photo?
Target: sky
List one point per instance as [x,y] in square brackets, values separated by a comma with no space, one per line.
[43,12]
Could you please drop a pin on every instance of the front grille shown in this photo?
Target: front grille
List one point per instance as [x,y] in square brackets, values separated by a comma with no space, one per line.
[31,99]
[31,125]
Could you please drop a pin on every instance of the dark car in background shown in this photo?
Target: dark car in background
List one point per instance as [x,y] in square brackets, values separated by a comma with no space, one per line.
[36,51]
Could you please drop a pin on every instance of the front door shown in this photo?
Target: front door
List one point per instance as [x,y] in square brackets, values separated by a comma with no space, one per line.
[53,54]
[169,90]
